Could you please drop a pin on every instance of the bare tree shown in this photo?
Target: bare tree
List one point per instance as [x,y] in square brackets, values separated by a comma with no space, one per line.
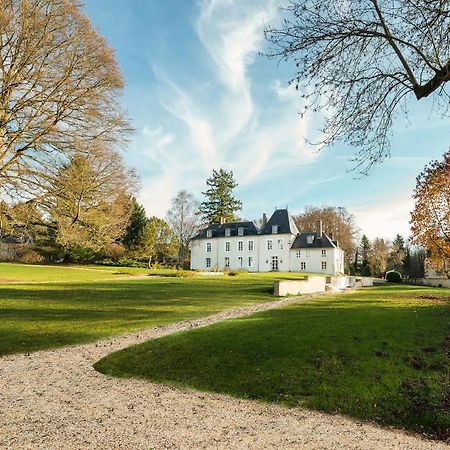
[359,61]
[184,220]
[337,222]
[59,89]
[378,256]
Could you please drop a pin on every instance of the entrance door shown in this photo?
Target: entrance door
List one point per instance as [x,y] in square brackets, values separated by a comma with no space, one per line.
[274,262]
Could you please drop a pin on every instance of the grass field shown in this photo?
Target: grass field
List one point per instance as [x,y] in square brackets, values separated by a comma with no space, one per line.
[379,353]
[43,307]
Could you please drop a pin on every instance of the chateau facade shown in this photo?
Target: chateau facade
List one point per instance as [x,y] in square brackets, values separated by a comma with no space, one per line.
[276,246]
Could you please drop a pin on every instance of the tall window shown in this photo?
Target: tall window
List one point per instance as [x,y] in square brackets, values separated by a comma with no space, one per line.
[240,261]
[302,265]
[269,244]
[324,265]
[208,247]
[240,245]
[280,244]
[250,246]
[208,263]
[250,261]
[324,253]
[299,253]
[227,262]
[240,231]
[227,246]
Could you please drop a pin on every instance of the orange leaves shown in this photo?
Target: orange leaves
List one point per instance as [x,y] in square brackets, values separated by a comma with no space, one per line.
[430,220]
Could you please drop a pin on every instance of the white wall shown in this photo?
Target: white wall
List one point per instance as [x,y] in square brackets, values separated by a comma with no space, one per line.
[313,259]
[262,255]
[234,254]
[309,285]
[432,282]
[266,254]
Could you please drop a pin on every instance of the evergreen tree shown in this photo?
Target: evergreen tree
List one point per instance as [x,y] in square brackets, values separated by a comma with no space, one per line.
[220,205]
[407,260]
[134,231]
[364,251]
[397,254]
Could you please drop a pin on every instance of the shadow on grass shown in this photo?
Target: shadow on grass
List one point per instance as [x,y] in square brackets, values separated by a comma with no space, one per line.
[37,316]
[386,361]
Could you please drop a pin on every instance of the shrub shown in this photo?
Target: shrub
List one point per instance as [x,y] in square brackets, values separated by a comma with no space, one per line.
[113,251]
[80,254]
[394,277]
[234,273]
[29,256]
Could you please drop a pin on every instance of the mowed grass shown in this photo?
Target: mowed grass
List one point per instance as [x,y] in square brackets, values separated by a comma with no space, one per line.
[10,272]
[57,306]
[380,354]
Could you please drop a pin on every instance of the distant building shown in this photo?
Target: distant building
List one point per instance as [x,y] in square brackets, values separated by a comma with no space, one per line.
[276,246]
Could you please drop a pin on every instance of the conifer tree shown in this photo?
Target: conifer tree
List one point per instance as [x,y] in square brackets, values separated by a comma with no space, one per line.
[364,250]
[220,205]
[136,225]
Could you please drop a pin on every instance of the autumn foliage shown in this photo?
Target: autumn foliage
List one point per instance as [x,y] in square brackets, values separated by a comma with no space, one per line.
[430,220]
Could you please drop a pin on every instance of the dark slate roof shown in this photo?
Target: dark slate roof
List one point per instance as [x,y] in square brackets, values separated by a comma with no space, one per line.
[219,230]
[282,218]
[323,242]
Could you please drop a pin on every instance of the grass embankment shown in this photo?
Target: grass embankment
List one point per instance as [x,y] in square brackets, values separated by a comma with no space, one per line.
[380,353]
[54,306]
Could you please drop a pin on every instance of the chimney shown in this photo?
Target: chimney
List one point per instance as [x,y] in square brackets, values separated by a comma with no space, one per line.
[264,220]
[221,220]
[319,229]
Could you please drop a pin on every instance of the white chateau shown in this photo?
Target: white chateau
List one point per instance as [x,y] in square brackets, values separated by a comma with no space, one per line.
[276,246]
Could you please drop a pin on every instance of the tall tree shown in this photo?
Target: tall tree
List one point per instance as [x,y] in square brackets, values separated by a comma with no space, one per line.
[88,201]
[397,254]
[378,256]
[184,220]
[136,225]
[158,243]
[59,90]
[220,205]
[360,62]
[365,250]
[416,267]
[337,222]
[430,220]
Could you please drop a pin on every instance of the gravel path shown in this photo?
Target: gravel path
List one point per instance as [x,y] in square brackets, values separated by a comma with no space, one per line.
[56,400]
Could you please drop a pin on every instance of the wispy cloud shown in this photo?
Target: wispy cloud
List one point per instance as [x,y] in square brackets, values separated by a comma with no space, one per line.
[224,124]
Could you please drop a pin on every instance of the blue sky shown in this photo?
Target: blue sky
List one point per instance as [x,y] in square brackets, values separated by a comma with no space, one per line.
[200,97]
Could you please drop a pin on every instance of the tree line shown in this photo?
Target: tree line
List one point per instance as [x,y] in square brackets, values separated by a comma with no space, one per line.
[65,187]
[90,219]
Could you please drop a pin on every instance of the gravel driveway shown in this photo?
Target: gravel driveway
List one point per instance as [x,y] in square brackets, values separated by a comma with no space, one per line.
[56,400]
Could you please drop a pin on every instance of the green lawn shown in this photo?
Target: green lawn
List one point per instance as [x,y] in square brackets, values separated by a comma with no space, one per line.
[55,306]
[379,353]
[10,272]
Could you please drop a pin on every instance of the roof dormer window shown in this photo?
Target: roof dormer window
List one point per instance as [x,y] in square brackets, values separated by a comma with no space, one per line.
[227,232]
[310,239]
[240,231]
[209,233]
[274,229]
